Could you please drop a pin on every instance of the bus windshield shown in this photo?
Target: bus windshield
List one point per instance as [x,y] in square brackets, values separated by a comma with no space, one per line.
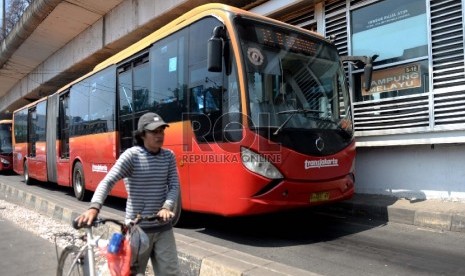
[295,81]
[5,139]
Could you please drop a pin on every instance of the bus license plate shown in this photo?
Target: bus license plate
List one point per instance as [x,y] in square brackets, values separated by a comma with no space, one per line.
[320,196]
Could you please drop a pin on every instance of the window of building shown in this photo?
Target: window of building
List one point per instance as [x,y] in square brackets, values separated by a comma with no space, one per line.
[396,30]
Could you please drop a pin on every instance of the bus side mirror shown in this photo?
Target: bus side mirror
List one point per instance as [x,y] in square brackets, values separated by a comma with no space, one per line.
[215,50]
[367,63]
[368,71]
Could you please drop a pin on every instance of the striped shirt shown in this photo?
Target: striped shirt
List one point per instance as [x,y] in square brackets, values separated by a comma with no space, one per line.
[151,181]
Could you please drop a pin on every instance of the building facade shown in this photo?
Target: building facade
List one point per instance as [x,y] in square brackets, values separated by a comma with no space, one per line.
[410,126]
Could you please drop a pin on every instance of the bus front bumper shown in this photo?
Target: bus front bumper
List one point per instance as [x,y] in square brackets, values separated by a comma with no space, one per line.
[289,194]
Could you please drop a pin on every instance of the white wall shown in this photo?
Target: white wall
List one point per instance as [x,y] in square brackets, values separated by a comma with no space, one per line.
[422,172]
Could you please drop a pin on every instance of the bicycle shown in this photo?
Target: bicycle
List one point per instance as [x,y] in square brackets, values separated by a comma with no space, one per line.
[81,260]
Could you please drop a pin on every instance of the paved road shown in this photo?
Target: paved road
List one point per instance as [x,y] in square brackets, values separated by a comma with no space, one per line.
[323,243]
[23,253]
[338,245]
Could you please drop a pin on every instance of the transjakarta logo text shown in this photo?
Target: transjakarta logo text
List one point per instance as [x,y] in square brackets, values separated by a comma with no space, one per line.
[309,164]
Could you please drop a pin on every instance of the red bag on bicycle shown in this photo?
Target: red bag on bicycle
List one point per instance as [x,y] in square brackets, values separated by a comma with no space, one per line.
[119,264]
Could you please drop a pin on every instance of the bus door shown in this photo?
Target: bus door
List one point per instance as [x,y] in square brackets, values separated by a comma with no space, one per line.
[20,140]
[36,140]
[62,145]
[168,98]
[6,145]
[31,143]
[31,137]
[126,112]
[134,100]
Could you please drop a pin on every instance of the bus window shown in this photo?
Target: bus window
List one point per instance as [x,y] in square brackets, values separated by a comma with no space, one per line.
[126,107]
[63,125]
[206,88]
[6,147]
[79,108]
[169,73]
[5,138]
[141,85]
[102,101]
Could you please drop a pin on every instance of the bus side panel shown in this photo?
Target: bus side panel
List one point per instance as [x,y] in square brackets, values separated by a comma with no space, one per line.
[100,157]
[63,172]
[219,183]
[183,171]
[226,188]
[97,152]
[176,139]
[62,166]
[77,148]
[19,152]
[38,164]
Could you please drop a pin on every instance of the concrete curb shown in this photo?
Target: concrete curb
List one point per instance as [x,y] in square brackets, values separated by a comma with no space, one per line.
[196,258]
[445,216]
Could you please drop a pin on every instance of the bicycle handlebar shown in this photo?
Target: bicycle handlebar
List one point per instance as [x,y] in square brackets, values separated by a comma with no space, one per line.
[140,218]
[97,221]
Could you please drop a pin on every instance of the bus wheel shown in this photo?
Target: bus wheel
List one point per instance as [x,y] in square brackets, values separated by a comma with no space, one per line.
[79,183]
[27,179]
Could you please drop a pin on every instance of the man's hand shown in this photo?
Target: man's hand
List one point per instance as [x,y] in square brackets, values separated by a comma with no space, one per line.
[165,214]
[87,217]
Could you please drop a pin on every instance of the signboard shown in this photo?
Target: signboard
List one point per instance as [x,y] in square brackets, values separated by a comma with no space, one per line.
[393,79]
[392,29]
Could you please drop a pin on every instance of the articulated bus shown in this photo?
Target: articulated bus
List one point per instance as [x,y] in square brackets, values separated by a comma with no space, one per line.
[259,112]
[6,149]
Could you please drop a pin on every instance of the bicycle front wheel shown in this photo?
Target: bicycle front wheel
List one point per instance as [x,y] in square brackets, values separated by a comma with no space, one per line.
[71,262]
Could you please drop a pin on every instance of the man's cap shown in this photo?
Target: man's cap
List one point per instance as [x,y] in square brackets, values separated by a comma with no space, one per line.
[150,121]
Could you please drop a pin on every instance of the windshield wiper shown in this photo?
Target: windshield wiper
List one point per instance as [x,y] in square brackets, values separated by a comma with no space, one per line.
[330,121]
[293,112]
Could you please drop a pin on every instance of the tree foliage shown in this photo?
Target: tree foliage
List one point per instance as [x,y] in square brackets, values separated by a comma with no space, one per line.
[13,12]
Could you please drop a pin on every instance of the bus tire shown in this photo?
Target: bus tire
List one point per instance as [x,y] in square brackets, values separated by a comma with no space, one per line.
[27,178]
[79,182]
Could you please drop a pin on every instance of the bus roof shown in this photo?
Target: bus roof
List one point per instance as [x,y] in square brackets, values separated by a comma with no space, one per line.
[33,103]
[5,122]
[167,29]
[177,23]
[180,22]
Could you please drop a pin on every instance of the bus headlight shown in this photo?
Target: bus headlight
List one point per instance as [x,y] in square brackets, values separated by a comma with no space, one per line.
[4,161]
[259,164]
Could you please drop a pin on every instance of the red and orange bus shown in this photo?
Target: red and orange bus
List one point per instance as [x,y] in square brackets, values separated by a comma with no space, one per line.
[6,150]
[259,112]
